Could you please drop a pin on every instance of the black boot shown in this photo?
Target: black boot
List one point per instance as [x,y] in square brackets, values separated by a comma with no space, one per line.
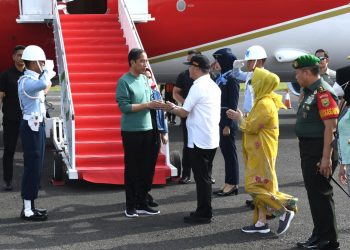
[40,210]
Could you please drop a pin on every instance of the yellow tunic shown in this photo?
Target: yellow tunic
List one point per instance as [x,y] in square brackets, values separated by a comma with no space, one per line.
[260,145]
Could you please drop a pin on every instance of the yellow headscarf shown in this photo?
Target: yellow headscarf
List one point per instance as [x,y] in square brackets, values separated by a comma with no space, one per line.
[264,83]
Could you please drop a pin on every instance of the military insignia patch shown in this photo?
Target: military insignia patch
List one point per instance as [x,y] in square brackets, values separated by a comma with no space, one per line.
[327,106]
[325,102]
[295,64]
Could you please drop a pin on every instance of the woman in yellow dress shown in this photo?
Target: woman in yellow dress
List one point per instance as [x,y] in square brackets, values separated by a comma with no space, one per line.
[260,145]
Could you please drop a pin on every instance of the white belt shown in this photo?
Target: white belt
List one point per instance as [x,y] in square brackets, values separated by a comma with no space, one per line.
[28,117]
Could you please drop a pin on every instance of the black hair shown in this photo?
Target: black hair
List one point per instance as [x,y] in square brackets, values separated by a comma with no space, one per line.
[17,48]
[315,69]
[134,54]
[26,64]
[194,51]
[322,51]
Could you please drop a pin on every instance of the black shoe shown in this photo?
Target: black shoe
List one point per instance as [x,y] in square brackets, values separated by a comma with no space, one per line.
[8,186]
[253,229]
[326,245]
[250,204]
[150,201]
[185,180]
[310,242]
[284,224]
[146,210]
[35,217]
[212,180]
[130,213]
[195,219]
[233,191]
[217,191]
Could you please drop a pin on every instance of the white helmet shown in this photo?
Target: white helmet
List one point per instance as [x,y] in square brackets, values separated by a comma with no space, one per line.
[33,53]
[255,52]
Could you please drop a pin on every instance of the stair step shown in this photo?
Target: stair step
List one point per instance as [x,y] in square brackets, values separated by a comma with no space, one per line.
[93,33]
[100,68]
[93,98]
[94,87]
[97,134]
[93,58]
[75,49]
[97,121]
[95,18]
[93,77]
[96,110]
[70,25]
[106,160]
[100,148]
[76,41]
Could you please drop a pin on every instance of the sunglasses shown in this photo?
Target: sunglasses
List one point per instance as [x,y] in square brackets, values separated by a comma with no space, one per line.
[322,58]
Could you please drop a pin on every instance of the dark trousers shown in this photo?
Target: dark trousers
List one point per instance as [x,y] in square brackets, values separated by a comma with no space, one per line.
[33,144]
[139,165]
[186,164]
[229,151]
[10,137]
[319,189]
[202,164]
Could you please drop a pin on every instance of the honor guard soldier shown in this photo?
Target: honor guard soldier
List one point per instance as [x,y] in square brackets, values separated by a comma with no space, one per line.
[316,121]
[32,87]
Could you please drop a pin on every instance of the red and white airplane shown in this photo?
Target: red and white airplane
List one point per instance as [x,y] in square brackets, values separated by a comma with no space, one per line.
[285,29]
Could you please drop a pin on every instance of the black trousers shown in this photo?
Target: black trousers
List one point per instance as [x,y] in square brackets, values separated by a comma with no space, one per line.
[139,165]
[229,151]
[202,164]
[33,143]
[186,164]
[319,189]
[10,137]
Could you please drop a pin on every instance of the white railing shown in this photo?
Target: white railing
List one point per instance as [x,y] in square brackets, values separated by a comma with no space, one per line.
[133,41]
[67,110]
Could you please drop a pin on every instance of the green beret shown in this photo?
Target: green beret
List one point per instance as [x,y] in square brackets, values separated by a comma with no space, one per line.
[306,61]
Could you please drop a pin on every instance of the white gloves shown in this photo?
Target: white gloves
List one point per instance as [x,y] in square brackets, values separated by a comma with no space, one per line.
[237,64]
[49,69]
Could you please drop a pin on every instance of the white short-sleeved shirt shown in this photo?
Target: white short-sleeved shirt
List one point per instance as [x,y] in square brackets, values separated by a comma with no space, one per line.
[203,104]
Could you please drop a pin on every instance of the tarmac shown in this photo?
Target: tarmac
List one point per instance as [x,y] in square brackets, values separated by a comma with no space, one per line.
[84,215]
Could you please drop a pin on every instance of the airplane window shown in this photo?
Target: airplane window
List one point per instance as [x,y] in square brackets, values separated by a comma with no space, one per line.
[181,5]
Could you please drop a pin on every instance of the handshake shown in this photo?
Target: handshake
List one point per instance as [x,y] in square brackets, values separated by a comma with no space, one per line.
[48,68]
[156,104]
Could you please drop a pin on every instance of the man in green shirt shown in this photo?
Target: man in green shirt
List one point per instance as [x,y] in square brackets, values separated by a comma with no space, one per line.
[134,100]
[316,121]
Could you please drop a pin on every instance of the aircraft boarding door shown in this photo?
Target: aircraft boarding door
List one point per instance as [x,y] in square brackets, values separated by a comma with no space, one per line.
[138,10]
[35,11]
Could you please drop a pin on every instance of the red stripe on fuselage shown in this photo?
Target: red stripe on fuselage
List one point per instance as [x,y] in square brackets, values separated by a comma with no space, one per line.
[205,21]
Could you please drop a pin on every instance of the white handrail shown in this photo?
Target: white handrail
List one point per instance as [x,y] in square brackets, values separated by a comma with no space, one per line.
[67,107]
[130,33]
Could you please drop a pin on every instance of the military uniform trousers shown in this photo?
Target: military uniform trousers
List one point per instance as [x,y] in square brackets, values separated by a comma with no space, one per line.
[33,143]
[319,189]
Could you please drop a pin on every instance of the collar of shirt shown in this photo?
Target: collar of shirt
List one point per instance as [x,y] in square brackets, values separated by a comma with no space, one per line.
[32,74]
[314,86]
[202,78]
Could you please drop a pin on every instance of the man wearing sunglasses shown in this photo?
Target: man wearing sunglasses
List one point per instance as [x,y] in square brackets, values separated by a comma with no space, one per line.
[326,73]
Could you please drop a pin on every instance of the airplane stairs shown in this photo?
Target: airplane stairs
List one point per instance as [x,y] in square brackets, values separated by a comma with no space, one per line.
[96,57]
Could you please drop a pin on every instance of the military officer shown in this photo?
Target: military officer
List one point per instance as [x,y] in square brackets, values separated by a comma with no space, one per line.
[315,124]
[32,87]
